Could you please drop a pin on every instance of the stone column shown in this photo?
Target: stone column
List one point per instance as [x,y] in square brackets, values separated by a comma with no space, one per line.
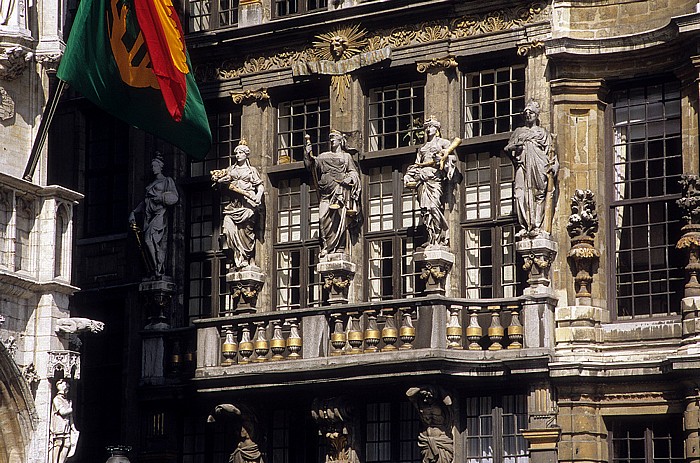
[691,426]
[578,115]
[583,431]
[542,432]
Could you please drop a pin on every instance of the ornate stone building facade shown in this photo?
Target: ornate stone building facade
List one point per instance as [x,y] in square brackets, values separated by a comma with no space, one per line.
[474,232]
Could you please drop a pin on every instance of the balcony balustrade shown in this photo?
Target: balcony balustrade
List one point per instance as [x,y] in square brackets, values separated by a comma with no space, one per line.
[480,326]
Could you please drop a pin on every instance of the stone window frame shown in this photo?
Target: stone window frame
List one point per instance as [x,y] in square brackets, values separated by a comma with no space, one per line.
[221,14]
[496,409]
[496,215]
[670,224]
[207,292]
[403,238]
[503,109]
[407,115]
[305,287]
[281,8]
[649,431]
[290,138]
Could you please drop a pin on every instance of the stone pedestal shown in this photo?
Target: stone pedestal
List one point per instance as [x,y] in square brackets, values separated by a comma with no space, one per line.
[690,307]
[434,263]
[157,295]
[245,285]
[543,444]
[578,328]
[538,254]
[337,273]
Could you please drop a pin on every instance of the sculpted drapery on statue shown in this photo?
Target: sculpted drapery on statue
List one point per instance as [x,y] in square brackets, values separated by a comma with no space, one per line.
[247,449]
[435,441]
[434,167]
[64,436]
[338,185]
[161,194]
[241,214]
[536,168]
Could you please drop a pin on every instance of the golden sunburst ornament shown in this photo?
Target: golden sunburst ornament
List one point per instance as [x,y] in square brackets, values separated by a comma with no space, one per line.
[340,44]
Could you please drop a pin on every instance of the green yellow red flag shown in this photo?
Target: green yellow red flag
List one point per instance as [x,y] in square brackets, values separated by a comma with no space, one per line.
[129,58]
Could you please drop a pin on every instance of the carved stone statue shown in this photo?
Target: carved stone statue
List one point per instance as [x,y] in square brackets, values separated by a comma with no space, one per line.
[338,185]
[336,422]
[64,436]
[161,194]
[434,166]
[435,441]
[536,168]
[77,325]
[245,190]
[247,450]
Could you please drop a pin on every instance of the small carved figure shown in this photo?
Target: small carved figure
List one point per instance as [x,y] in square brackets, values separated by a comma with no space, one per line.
[435,441]
[247,450]
[161,194]
[241,213]
[338,186]
[535,171]
[77,325]
[64,436]
[434,166]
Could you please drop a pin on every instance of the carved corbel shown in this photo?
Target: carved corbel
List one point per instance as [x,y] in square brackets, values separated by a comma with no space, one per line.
[526,48]
[436,64]
[260,95]
[13,62]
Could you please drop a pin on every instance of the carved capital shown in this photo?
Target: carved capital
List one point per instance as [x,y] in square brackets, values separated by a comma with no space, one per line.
[436,64]
[49,61]
[67,361]
[13,62]
[247,96]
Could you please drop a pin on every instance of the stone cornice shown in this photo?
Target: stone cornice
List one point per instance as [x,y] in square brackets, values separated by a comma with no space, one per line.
[38,190]
[450,29]
[24,286]
[570,46]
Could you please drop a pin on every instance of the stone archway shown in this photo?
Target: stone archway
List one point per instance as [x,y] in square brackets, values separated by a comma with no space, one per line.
[18,418]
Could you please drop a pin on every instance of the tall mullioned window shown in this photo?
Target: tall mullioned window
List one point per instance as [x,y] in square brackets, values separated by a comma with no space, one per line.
[298,118]
[204,15]
[396,115]
[647,164]
[493,429]
[392,234]
[206,262]
[297,246]
[390,433]
[489,226]
[493,100]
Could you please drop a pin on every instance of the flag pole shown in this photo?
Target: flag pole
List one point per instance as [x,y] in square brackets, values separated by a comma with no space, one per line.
[41,135]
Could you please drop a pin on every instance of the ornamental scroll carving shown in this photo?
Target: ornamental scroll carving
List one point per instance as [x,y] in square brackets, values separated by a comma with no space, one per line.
[465,26]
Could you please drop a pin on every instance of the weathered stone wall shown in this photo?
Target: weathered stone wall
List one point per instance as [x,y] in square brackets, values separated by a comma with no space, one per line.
[595,19]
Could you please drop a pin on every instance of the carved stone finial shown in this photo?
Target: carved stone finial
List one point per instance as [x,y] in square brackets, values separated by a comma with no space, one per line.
[582,227]
[434,406]
[690,204]
[13,62]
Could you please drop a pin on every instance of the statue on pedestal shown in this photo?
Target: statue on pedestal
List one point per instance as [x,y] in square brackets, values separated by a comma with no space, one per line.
[337,180]
[64,436]
[241,214]
[161,194]
[434,166]
[536,169]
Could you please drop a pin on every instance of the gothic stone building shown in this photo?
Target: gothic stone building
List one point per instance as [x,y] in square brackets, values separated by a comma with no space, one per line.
[579,345]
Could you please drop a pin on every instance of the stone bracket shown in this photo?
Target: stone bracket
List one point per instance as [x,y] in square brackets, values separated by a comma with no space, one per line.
[245,286]
[337,274]
[434,264]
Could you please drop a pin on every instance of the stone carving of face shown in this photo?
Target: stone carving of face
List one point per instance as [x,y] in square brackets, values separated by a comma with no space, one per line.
[336,140]
[157,166]
[62,387]
[241,154]
[338,46]
[530,116]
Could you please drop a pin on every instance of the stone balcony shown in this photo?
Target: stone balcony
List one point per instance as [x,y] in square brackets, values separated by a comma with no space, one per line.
[417,336]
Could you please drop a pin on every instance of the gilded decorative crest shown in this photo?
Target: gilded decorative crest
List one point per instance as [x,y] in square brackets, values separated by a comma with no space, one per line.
[339,44]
